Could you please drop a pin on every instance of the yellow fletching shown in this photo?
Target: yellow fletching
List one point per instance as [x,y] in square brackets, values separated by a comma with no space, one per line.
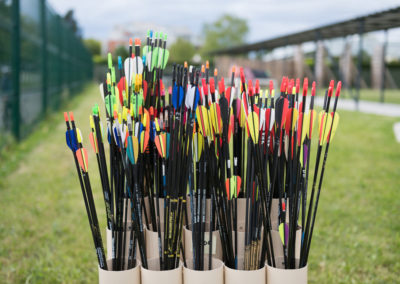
[306,126]
[79,135]
[91,122]
[334,126]
[252,123]
[205,118]
[295,116]
[135,145]
[157,124]
[125,113]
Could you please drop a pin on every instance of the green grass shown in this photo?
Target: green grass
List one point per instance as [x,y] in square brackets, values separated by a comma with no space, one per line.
[44,229]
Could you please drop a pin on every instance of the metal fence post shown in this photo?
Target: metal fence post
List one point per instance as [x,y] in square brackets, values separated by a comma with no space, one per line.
[15,61]
[44,53]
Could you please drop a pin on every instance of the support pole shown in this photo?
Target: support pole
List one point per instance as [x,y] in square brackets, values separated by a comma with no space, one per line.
[385,43]
[359,63]
[15,60]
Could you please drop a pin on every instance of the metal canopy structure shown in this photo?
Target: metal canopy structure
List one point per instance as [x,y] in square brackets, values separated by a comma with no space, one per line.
[373,22]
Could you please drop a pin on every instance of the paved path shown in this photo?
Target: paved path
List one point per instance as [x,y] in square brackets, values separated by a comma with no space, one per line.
[392,110]
[385,109]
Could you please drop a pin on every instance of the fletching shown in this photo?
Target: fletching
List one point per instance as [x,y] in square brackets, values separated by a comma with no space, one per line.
[252,124]
[93,142]
[71,140]
[282,232]
[137,67]
[128,68]
[190,97]
[129,150]
[101,91]
[335,119]
[135,145]
[82,156]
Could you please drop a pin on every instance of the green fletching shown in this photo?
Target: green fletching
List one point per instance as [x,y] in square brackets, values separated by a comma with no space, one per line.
[166,98]
[156,35]
[109,60]
[145,49]
[154,59]
[95,109]
[148,33]
[166,56]
[165,37]
[160,57]
[113,80]
[107,102]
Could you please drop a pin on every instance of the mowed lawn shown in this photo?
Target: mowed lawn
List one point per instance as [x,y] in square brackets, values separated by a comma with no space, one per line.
[45,238]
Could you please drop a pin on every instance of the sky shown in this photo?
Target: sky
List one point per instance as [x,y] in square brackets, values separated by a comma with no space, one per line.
[266,19]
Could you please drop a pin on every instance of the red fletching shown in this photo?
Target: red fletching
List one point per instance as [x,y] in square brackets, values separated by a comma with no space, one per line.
[284,111]
[228,94]
[121,88]
[331,86]
[290,87]
[283,206]
[71,115]
[297,85]
[283,84]
[151,111]
[305,87]
[137,41]
[256,109]
[338,88]
[257,91]
[221,87]
[238,185]
[242,79]
[288,125]
[66,116]
[92,142]
[212,86]
[205,88]
[231,124]
[130,41]
[313,89]
[227,188]
[271,86]
[250,88]
[144,90]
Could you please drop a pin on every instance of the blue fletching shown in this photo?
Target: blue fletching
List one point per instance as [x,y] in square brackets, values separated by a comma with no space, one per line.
[196,100]
[167,153]
[175,96]
[119,62]
[144,59]
[73,140]
[116,135]
[181,94]
[108,135]
[68,139]
[151,34]
[130,150]
[152,130]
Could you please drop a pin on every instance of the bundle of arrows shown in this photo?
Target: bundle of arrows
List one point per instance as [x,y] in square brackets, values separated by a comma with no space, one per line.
[203,141]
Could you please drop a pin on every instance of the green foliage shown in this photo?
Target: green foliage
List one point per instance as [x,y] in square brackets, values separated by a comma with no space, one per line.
[93,45]
[121,51]
[227,31]
[181,50]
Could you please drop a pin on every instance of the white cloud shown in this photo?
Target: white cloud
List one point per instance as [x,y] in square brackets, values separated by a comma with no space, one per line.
[266,18]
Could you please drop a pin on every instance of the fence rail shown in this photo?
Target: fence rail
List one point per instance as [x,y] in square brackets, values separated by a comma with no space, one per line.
[42,62]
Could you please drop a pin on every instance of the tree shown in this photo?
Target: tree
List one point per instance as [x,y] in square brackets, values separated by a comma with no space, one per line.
[121,51]
[225,32]
[181,50]
[94,46]
[70,19]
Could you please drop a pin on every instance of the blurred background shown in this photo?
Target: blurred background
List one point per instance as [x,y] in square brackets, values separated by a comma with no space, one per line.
[53,54]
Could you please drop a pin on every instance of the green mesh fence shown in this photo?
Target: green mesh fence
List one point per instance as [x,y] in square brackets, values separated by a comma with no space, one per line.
[42,62]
